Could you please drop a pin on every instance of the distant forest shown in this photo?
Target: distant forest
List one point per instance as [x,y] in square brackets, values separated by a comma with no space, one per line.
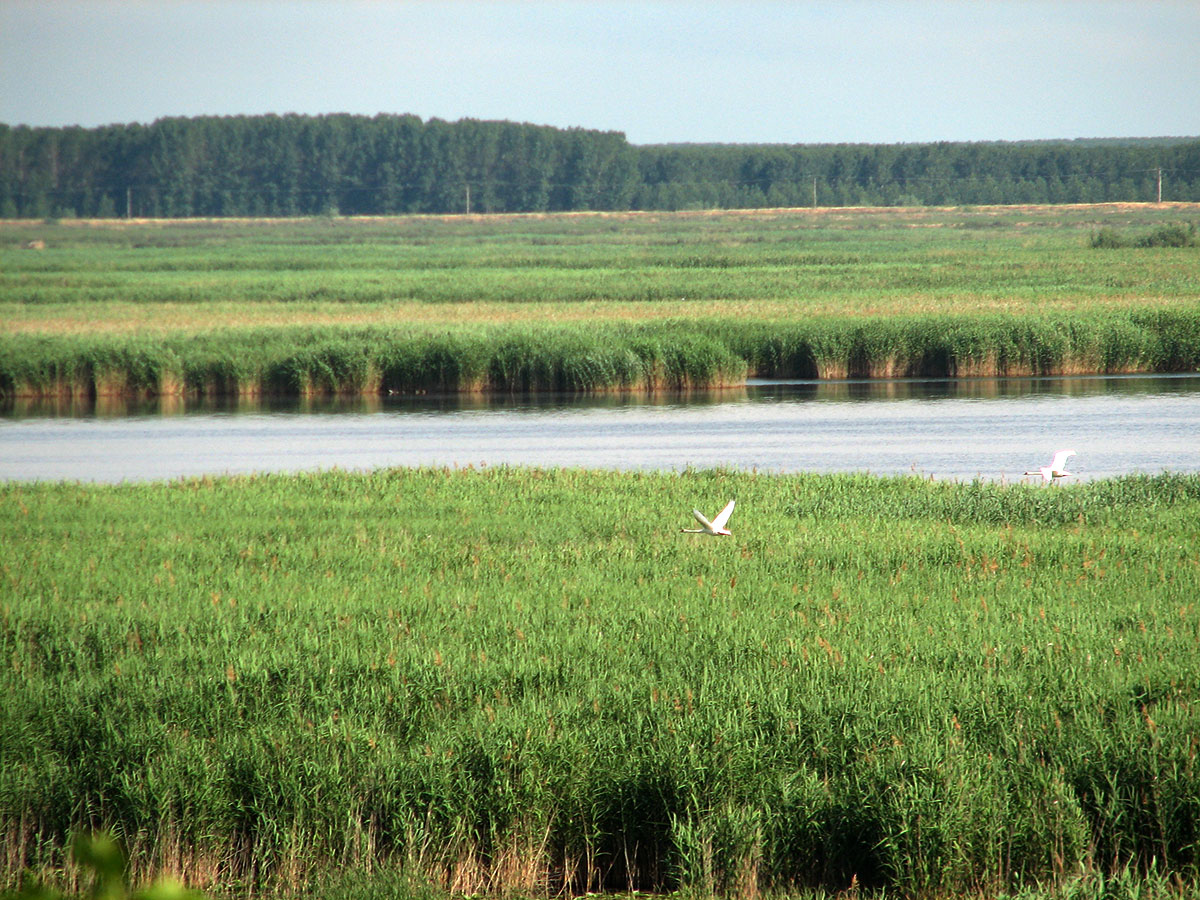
[295,165]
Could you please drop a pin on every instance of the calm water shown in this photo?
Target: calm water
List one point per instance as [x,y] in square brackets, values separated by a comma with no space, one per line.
[985,428]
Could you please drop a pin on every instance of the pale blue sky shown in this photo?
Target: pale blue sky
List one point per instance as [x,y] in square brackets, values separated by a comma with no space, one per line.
[663,71]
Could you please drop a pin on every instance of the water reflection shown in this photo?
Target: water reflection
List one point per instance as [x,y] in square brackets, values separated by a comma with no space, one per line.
[972,388]
[121,407]
[759,390]
[977,428]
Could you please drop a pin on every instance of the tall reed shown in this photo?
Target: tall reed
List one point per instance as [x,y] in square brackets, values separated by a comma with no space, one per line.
[529,681]
[679,353]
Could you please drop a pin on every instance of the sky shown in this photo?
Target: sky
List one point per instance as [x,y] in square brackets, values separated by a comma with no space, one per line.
[661,71]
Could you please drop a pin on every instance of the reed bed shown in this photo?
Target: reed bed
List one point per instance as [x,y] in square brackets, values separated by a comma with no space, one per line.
[588,302]
[322,362]
[581,357]
[528,681]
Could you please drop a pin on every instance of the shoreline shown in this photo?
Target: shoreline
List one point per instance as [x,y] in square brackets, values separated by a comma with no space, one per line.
[181,399]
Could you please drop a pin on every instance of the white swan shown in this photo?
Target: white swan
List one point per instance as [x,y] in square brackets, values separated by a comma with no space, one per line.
[1057,467]
[716,526]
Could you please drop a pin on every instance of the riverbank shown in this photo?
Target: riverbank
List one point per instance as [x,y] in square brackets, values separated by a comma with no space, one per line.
[591,303]
[583,358]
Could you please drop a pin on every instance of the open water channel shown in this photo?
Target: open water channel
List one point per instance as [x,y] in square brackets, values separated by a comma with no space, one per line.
[992,429]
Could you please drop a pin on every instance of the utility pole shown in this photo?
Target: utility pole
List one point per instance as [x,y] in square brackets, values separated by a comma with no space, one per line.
[1159,192]
[814,192]
[128,202]
[468,199]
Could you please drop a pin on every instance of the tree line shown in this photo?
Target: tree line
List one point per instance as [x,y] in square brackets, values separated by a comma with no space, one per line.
[295,165]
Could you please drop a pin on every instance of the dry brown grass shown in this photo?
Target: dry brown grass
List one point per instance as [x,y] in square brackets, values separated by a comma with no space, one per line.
[891,212]
[176,318]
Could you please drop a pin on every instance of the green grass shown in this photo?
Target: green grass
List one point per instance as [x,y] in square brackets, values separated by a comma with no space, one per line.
[589,302]
[525,680]
[799,257]
[414,682]
[577,357]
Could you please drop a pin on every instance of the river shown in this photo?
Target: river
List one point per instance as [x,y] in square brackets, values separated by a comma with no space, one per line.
[992,429]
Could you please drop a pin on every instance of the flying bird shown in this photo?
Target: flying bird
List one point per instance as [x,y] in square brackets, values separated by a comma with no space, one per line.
[1057,467]
[716,526]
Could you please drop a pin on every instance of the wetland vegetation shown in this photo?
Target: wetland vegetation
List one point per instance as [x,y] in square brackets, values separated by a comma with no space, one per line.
[515,680]
[589,302]
[525,681]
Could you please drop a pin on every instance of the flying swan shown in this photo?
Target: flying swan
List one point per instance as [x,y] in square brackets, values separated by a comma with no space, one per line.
[1057,467]
[716,526]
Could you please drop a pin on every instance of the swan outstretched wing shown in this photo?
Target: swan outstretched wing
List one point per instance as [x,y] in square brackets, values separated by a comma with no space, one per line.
[1060,460]
[722,517]
[703,521]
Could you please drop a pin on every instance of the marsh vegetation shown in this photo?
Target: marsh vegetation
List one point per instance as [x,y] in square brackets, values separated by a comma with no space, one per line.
[527,681]
[518,680]
[588,302]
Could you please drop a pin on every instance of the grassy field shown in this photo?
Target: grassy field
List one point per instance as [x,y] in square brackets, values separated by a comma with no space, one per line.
[528,681]
[414,683]
[589,301]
